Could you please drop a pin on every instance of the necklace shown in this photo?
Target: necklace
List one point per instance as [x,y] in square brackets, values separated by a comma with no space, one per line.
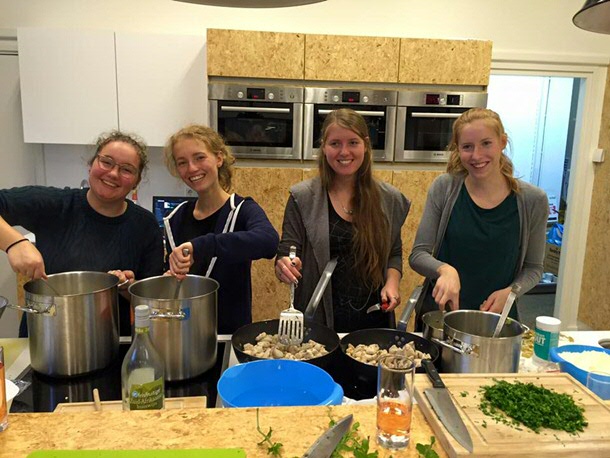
[349,212]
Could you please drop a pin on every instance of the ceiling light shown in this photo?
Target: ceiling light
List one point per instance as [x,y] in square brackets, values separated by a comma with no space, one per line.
[252,3]
[594,16]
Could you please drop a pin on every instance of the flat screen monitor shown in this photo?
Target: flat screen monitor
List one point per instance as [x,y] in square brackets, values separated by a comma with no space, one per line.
[163,205]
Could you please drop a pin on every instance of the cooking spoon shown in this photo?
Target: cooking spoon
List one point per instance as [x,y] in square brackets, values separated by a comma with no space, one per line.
[48,285]
[185,252]
[507,306]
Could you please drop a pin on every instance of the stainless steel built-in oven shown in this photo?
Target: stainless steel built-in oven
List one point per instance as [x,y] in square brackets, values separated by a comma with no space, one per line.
[258,121]
[425,121]
[378,107]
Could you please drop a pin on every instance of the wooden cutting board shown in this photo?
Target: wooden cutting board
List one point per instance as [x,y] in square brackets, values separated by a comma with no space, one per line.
[497,439]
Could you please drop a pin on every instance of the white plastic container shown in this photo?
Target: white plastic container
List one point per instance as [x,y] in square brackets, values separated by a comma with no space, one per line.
[546,336]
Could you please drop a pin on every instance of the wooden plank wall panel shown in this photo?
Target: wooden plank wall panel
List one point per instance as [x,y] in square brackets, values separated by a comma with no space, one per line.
[269,187]
[348,58]
[242,53]
[428,61]
[594,307]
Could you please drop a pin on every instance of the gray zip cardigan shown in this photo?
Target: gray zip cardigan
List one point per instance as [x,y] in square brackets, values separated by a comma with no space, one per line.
[533,207]
[306,226]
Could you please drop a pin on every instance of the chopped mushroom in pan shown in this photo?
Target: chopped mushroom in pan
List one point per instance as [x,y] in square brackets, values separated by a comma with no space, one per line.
[370,354]
[268,346]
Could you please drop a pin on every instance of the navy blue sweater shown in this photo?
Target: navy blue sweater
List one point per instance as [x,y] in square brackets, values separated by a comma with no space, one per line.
[253,237]
[72,236]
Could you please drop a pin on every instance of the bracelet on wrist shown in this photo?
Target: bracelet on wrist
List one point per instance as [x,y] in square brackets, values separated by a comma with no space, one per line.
[15,243]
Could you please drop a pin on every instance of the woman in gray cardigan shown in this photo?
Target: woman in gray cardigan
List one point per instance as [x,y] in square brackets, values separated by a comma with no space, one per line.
[482,230]
[345,213]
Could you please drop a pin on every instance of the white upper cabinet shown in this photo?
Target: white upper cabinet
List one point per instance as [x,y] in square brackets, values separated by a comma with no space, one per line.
[77,84]
[162,84]
[68,85]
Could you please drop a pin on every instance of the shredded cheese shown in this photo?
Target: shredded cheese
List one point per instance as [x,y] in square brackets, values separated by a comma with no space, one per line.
[588,360]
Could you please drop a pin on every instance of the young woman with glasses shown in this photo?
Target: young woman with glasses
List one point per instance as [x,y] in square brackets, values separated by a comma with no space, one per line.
[95,229]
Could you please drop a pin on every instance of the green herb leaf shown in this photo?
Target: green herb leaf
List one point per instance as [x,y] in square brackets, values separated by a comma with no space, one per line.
[273,448]
[533,406]
[425,450]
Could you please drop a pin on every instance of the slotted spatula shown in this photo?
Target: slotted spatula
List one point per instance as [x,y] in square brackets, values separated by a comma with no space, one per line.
[291,320]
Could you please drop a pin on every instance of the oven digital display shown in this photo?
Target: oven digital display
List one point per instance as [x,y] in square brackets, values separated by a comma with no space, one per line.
[350,97]
[433,99]
[453,99]
[255,94]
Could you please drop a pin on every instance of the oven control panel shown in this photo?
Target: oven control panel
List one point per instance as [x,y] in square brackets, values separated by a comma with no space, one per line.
[338,96]
[255,93]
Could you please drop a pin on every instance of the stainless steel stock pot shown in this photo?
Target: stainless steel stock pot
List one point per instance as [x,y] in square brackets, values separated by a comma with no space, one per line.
[469,348]
[72,324]
[183,322]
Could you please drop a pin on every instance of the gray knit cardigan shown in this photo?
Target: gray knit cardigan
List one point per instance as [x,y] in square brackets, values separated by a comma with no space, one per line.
[306,226]
[533,207]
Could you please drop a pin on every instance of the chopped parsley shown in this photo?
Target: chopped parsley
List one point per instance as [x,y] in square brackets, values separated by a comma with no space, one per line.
[533,406]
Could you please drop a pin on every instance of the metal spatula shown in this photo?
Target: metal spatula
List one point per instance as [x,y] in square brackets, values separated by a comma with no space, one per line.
[291,320]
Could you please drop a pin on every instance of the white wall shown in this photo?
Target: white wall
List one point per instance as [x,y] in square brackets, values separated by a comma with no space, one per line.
[539,26]
[17,167]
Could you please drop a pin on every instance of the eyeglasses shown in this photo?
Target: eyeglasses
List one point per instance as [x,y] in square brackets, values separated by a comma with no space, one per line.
[125,170]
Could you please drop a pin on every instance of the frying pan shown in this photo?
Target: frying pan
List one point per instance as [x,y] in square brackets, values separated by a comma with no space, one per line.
[313,331]
[359,380]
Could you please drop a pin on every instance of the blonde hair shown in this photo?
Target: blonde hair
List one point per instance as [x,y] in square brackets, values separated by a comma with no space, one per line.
[371,251]
[213,141]
[493,121]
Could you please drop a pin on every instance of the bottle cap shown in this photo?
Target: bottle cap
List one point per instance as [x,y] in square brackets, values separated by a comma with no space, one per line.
[142,315]
[548,323]
[142,311]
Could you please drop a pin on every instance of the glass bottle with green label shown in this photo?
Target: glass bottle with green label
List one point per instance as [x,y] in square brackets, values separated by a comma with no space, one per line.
[142,373]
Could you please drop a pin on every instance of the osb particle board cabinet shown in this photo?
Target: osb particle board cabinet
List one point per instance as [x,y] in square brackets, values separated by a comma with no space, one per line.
[251,54]
[349,58]
[460,62]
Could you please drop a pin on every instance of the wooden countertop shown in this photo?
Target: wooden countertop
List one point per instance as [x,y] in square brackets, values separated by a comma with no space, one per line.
[295,427]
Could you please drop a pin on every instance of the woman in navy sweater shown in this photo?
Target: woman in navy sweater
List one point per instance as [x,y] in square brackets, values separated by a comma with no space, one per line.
[223,232]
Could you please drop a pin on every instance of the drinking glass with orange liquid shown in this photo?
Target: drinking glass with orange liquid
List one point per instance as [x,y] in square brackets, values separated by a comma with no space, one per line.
[394,401]
[3,409]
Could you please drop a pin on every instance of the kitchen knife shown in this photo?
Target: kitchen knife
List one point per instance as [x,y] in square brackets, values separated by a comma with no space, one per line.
[327,442]
[441,402]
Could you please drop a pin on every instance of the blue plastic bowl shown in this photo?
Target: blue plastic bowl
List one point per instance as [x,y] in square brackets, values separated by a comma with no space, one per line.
[565,366]
[277,382]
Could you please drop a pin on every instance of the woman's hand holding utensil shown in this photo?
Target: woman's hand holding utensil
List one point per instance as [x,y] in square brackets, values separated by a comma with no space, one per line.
[181,260]
[288,270]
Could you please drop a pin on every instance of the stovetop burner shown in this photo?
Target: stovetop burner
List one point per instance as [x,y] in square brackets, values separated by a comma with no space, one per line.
[45,393]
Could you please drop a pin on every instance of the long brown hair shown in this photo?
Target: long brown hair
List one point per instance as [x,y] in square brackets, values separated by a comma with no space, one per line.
[214,142]
[370,240]
[492,119]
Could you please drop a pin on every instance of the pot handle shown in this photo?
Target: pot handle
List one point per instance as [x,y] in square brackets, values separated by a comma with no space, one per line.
[183,314]
[46,309]
[459,347]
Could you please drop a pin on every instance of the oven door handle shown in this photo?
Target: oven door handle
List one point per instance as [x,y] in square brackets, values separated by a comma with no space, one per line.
[360,112]
[436,115]
[256,109]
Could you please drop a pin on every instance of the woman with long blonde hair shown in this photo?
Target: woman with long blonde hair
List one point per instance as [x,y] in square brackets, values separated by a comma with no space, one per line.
[345,213]
[222,231]
[483,230]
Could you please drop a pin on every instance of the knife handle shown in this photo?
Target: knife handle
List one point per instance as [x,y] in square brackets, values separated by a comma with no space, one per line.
[436,380]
